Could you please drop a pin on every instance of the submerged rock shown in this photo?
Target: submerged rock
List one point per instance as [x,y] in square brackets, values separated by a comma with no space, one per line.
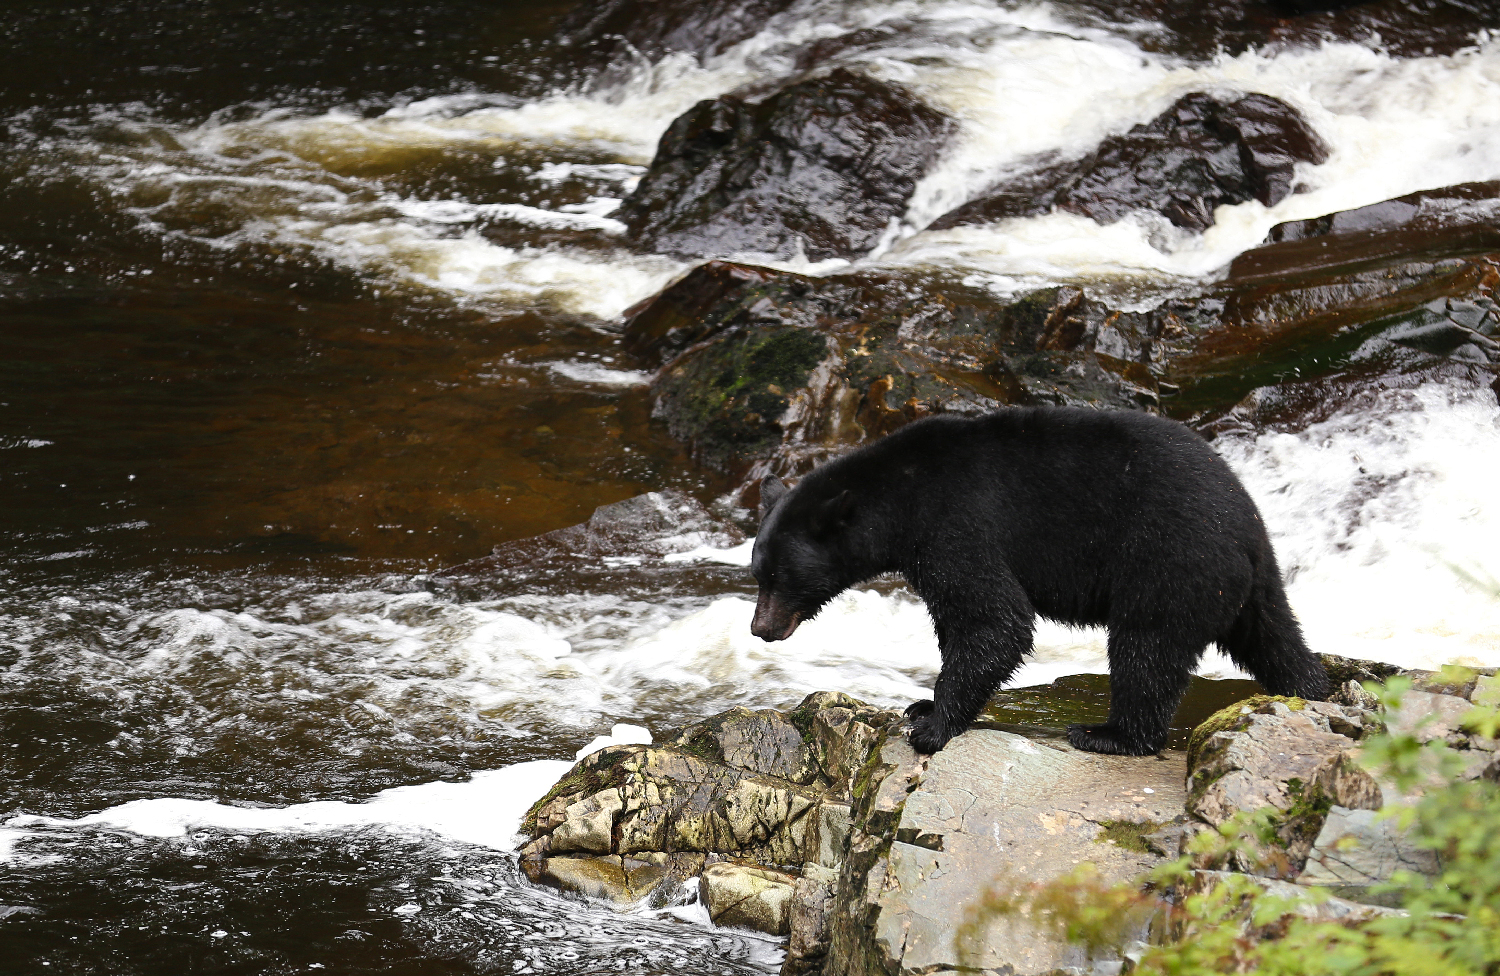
[657,523]
[820,168]
[1200,154]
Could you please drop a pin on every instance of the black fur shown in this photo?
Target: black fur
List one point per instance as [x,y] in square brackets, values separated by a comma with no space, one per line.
[1086,517]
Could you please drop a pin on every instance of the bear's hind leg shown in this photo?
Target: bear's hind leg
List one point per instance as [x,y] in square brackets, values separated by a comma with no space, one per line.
[1148,674]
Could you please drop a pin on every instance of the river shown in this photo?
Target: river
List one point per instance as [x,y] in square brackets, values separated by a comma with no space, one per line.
[300,305]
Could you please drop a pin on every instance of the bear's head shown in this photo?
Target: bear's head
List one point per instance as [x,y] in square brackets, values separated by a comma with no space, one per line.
[796,559]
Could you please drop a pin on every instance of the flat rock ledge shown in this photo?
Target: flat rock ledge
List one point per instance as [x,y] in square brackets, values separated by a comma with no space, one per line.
[820,824]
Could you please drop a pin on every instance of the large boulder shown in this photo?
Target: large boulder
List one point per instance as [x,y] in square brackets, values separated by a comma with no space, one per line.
[990,808]
[820,168]
[1289,755]
[1200,154]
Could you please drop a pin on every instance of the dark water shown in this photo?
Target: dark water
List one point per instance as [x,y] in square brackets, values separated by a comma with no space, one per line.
[193,429]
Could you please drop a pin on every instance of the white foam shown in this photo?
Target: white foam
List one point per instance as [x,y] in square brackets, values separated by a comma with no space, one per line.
[1375,511]
[486,810]
[619,735]
[1392,125]
[1022,81]
[600,375]
[734,556]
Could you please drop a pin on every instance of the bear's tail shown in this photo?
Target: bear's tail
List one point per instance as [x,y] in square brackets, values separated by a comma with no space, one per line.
[1266,639]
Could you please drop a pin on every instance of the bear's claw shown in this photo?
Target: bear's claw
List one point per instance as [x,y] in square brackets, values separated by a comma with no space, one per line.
[920,709]
[1105,739]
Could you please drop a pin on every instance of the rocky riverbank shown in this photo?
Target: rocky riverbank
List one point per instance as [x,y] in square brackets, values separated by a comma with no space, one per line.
[759,371]
[821,824]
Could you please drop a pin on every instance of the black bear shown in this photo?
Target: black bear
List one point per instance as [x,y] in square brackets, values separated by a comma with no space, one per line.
[1085,517]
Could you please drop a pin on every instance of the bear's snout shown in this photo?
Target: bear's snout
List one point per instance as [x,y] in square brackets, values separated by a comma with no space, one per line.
[773,622]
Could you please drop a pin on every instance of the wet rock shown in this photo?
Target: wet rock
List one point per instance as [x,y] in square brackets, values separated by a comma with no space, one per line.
[1297,344]
[634,821]
[820,168]
[774,372]
[1197,29]
[749,898]
[769,372]
[622,880]
[1200,154]
[688,311]
[657,523]
[991,806]
[1446,207]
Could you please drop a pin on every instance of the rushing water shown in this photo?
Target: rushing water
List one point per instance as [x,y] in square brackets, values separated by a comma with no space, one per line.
[300,305]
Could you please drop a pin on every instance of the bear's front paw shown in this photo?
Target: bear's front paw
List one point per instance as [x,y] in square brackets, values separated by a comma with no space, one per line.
[920,709]
[924,736]
[1106,739]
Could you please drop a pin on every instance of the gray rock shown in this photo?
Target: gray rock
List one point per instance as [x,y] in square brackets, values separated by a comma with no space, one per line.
[1486,691]
[1344,782]
[1427,716]
[807,942]
[749,898]
[991,806]
[829,835]
[1251,762]
[754,785]
[1331,909]
[764,741]
[1360,848]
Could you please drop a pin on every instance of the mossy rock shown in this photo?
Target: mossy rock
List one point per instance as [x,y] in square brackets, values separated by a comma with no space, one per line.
[589,776]
[1129,835]
[1227,719]
[726,400]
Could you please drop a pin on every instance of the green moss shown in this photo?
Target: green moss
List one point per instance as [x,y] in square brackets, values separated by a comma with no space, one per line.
[867,770]
[703,746]
[1128,835]
[728,398]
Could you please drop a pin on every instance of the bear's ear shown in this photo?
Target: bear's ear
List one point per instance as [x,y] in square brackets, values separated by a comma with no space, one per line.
[772,489]
[833,513]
